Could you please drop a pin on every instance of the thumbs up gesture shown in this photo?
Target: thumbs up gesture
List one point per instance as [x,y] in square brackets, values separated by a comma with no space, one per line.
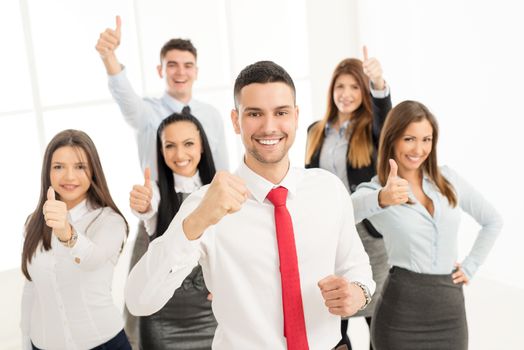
[55,215]
[109,40]
[373,70]
[140,197]
[396,190]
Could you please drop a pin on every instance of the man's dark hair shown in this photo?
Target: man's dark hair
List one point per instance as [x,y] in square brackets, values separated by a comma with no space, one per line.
[177,44]
[262,72]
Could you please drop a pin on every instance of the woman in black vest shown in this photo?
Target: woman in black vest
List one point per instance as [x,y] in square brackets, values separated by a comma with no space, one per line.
[184,164]
[345,143]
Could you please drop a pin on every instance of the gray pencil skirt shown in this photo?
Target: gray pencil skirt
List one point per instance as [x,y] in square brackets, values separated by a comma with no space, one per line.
[419,311]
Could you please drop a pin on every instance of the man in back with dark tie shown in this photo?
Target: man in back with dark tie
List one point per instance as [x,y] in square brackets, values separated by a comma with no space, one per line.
[277,244]
[178,68]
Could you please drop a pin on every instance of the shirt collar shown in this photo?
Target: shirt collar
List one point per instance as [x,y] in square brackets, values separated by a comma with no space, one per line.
[174,104]
[184,184]
[78,211]
[329,127]
[260,187]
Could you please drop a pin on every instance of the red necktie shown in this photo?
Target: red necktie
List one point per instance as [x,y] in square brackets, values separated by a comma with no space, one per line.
[294,323]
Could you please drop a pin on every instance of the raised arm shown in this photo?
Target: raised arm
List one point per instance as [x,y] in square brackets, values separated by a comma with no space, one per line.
[106,46]
[136,112]
[380,93]
[144,201]
[106,237]
[370,198]
[171,257]
[225,195]
[89,253]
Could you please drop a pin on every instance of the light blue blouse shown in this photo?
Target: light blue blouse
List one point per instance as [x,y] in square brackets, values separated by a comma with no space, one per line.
[333,156]
[422,243]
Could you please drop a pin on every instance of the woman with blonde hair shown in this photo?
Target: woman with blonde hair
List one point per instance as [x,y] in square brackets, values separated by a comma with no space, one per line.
[345,143]
[417,206]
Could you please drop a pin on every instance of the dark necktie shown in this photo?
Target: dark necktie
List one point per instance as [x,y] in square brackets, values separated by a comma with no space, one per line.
[186,110]
[294,323]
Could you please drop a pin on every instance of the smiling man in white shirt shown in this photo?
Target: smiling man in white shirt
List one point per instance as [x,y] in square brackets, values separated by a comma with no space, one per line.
[179,70]
[229,228]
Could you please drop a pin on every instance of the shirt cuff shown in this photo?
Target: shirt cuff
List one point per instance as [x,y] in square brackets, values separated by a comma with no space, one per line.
[469,268]
[379,93]
[144,216]
[82,246]
[118,77]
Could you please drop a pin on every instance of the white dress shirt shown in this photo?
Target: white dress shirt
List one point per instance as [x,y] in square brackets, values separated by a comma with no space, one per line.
[145,115]
[239,258]
[68,304]
[424,243]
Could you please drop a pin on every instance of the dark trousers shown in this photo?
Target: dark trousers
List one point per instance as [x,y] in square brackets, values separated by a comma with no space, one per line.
[118,342]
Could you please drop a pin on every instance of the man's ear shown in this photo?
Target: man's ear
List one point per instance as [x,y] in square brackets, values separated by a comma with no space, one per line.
[235,120]
[159,69]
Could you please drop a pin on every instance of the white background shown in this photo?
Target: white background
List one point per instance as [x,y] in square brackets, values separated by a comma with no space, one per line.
[463,59]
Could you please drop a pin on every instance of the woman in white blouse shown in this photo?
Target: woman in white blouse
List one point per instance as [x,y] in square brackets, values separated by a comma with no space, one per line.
[184,164]
[416,205]
[72,243]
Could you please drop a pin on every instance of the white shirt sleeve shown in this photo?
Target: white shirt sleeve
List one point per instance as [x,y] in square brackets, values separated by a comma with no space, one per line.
[379,93]
[25,320]
[222,156]
[167,262]
[352,260]
[136,112]
[104,242]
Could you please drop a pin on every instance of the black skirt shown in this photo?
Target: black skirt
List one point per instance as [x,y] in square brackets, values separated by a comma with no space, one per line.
[186,322]
[420,311]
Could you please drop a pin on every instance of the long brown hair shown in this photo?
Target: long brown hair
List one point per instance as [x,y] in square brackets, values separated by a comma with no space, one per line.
[361,142]
[97,196]
[397,121]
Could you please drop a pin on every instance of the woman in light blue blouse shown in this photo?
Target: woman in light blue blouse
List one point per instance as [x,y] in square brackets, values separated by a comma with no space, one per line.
[416,205]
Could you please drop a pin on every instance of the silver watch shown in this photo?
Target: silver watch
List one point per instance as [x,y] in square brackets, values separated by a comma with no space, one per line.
[367,294]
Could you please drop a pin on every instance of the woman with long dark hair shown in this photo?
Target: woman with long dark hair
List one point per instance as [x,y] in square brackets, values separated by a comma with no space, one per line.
[345,143]
[72,243]
[184,164]
[417,205]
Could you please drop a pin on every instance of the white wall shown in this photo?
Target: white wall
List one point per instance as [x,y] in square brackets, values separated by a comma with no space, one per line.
[461,58]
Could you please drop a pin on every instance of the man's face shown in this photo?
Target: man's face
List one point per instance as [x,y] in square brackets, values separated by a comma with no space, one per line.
[267,119]
[180,71]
